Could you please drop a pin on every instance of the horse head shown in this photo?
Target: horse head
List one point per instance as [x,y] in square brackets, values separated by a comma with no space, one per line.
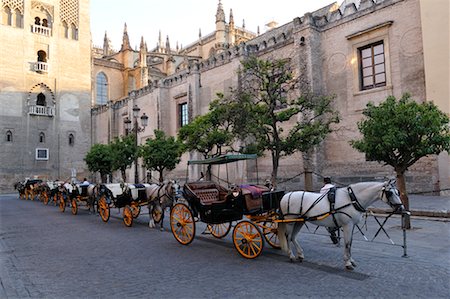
[391,196]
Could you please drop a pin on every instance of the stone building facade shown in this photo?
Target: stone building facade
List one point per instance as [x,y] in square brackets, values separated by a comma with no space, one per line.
[45,89]
[359,51]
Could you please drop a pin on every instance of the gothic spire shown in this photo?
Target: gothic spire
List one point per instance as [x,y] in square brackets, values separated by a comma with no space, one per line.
[220,15]
[231,17]
[125,40]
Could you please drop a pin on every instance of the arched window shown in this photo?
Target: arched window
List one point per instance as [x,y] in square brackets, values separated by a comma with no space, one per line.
[42,56]
[41,137]
[66,29]
[19,18]
[40,101]
[37,21]
[71,139]
[101,89]
[7,16]
[9,136]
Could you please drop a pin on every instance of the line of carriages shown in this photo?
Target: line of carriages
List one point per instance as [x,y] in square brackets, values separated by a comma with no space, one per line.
[251,209]
[101,198]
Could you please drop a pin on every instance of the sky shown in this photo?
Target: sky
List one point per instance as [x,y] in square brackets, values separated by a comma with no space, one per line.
[182,19]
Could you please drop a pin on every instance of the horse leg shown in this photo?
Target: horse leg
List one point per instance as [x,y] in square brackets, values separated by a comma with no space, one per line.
[348,237]
[298,248]
[151,222]
[161,228]
[289,233]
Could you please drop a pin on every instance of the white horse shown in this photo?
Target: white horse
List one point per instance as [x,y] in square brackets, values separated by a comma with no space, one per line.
[350,204]
[159,198]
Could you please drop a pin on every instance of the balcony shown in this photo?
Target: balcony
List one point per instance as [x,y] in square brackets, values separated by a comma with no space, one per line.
[41,67]
[41,110]
[42,30]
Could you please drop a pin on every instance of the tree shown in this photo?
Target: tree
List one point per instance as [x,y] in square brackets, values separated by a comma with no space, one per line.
[161,153]
[399,133]
[266,104]
[124,152]
[209,133]
[99,158]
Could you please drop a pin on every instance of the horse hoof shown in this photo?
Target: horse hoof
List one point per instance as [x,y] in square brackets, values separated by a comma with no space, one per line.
[349,268]
[161,229]
[353,264]
[300,259]
[292,259]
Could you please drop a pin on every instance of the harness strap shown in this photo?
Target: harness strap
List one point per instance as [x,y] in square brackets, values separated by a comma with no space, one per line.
[355,201]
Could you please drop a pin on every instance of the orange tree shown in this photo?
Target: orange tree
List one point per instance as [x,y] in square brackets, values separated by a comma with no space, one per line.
[400,132]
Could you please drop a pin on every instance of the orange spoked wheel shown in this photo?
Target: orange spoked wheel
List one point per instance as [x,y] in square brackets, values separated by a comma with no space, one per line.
[182,223]
[270,231]
[74,206]
[62,203]
[219,230]
[127,216]
[135,209]
[103,208]
[248,239]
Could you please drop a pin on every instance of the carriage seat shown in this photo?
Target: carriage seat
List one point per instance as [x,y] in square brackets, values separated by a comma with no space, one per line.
[208,192]
[83,190]
[253,196]
[208,196]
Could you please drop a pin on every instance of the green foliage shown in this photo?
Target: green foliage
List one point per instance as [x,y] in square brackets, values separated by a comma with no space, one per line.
[124,151]
[99,158]
[267,104]
[161,153]
[208,133]
[401,132]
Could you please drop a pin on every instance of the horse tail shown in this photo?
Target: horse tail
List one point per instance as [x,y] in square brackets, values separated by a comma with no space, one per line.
[282,236]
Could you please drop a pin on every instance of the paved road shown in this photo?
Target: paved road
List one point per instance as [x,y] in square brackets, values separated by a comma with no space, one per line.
[48,254]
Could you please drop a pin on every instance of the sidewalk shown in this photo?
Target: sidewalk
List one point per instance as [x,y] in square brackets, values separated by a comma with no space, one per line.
[421,205]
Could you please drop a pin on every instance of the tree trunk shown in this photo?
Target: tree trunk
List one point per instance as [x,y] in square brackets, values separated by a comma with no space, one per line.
[401,185]
[103,177]
[124,175]
[161,177]
[274,175]
[307,169]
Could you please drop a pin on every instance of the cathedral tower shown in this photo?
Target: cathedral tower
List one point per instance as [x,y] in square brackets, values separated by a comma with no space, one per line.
[45,89]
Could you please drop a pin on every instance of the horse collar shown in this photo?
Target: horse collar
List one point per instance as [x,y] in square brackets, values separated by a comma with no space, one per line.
[355,201]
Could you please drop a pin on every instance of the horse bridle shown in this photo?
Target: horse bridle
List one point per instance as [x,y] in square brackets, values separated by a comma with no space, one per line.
[388,193]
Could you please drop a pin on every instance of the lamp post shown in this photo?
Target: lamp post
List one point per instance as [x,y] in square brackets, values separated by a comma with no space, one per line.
[136,129]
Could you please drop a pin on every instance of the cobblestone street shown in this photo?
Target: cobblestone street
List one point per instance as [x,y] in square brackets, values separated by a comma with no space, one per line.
[48,254]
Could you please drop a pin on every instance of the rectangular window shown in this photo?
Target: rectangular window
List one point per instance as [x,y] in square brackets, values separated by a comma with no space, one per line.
[42,154]
[372,68]
[183,114]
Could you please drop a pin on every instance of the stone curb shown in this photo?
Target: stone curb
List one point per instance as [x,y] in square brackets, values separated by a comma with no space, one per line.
[423,213]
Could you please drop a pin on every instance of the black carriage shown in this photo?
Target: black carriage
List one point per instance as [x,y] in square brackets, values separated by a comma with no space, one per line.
[130,197]
[253,207]
[79,195]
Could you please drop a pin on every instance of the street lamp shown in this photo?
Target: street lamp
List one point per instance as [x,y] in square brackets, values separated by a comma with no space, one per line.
[136,129]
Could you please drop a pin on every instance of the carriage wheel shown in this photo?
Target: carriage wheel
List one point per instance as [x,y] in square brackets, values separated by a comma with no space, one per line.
[45,198]
[219,230]
[62,203]
[182,223]
[157,213]
[270,231]
[127,216]
[135,210]
[248,239]
[74,206]
[103,208]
